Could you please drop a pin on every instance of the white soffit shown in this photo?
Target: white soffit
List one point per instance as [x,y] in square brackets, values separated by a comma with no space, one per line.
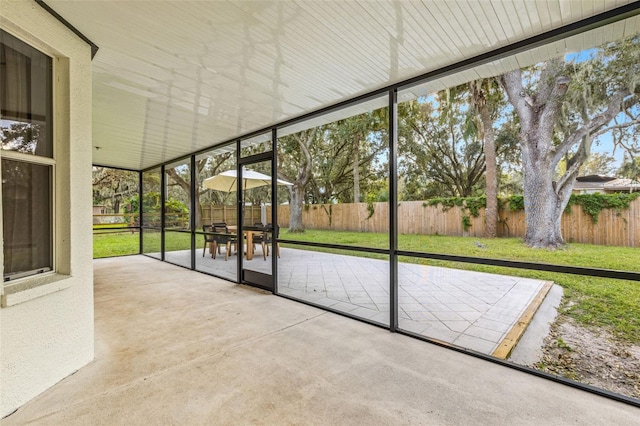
[173,77]
[616,31]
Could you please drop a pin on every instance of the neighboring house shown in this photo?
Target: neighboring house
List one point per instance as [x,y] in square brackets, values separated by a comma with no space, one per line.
[98,210]
[604,184]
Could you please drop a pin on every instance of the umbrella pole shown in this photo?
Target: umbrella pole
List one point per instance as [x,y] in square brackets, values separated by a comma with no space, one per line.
[244,197]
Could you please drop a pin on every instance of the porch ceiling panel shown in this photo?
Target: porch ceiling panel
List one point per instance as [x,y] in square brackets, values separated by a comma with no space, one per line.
[172,77]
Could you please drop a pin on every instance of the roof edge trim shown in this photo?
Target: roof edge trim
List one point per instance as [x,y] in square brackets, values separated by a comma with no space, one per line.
[94,47]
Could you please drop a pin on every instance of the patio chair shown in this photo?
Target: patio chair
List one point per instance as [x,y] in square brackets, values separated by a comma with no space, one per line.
[220,224]
[208,238]
[265,239]
[222,237]
[259,239]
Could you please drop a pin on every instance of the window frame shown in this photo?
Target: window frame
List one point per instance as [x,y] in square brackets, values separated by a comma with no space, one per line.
[31,279]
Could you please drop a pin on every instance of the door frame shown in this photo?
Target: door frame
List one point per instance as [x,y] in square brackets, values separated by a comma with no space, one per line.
[257,279]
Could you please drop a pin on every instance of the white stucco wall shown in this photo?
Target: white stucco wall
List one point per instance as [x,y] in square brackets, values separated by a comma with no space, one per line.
[46,332]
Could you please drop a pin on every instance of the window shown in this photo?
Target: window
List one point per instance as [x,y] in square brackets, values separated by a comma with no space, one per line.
[27,158]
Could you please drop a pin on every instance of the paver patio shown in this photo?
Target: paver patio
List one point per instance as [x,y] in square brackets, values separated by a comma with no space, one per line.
[473,310]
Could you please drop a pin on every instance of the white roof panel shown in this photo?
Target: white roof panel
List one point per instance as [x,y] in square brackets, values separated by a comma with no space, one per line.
[172,77]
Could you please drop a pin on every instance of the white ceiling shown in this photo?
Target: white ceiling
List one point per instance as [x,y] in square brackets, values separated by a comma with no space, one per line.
[173,77]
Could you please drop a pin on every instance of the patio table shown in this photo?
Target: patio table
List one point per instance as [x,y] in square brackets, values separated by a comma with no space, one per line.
[248,233]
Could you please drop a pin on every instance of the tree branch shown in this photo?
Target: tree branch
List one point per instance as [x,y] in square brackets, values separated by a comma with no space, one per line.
[304,169]
[552,100]
[512,84]
[596,123]
[574,163]
[617,126]
[546,82]
[179,180]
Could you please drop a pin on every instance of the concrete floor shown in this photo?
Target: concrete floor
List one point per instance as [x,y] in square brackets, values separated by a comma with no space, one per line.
[178,347]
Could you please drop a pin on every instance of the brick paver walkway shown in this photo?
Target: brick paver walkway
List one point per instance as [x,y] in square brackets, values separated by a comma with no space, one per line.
[473,310]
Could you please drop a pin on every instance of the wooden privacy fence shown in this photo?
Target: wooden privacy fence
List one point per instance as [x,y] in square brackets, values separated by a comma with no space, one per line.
[614,227]
[229,214]
[121,219]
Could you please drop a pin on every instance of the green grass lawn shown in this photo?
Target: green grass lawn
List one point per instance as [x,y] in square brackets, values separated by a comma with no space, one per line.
[109,244]
[619,258]
[600,302]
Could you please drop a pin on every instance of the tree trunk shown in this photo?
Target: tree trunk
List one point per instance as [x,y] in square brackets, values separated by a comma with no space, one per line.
[297,190]
[543,208]
[491,167]
[356,169]
[356,173]
[186,187]
[543,204]
[198,212]
[295,209]
[491,210]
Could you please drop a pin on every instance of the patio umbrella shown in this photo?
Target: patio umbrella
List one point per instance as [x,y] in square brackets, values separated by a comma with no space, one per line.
[227,181]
